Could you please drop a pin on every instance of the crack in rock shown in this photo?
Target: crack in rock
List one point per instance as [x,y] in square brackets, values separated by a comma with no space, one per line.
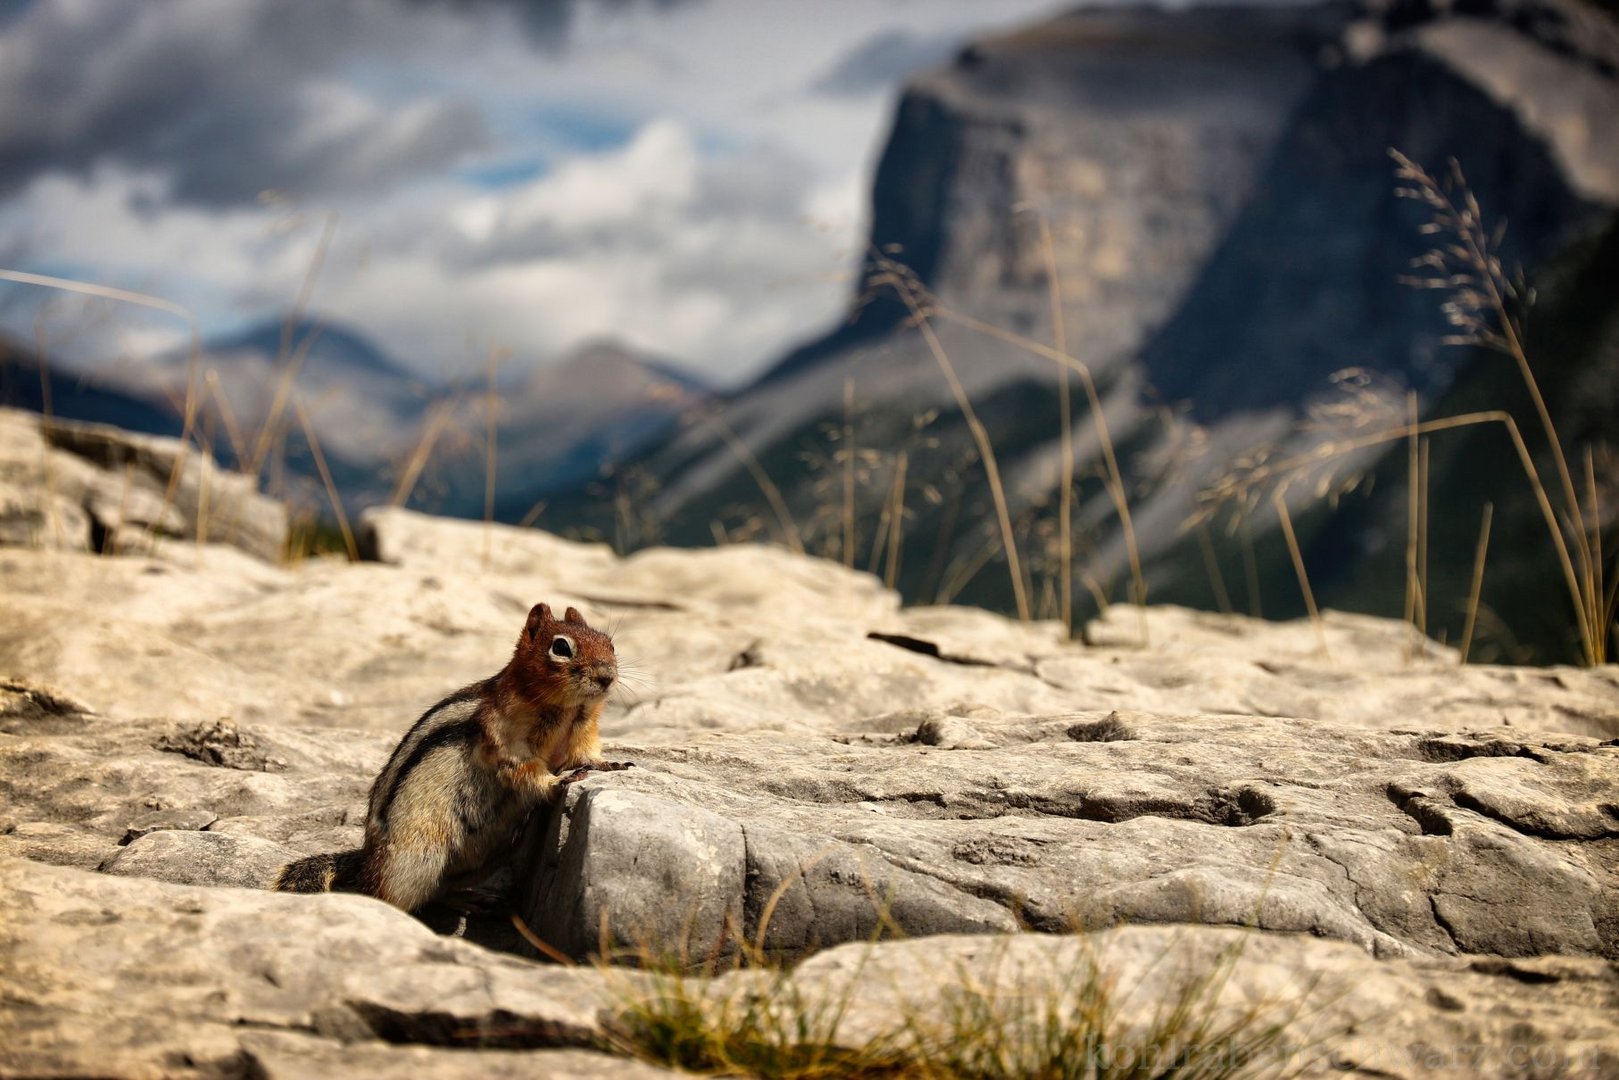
[1420,808]
[497,1028]
[1468,801]
[923,647]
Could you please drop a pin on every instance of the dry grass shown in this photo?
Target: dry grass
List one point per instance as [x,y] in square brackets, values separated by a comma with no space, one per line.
[749,1016]
[903,282]
[1483,307]
[730,1007]
[1473,594]
[1065,421]
[326,479]
[1113,477]
[778,505]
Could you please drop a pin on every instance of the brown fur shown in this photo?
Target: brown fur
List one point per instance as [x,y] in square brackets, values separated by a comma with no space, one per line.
[462,779]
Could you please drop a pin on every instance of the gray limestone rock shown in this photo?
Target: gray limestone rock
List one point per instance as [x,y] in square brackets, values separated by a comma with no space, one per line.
[200,858]
[79,486]
[1376,838]
[122,977]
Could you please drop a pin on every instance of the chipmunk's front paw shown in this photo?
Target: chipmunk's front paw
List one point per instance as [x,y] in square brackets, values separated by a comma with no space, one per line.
[601,766]
[578,774]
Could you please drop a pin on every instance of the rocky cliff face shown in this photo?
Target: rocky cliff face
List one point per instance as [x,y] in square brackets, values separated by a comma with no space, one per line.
[1226,238]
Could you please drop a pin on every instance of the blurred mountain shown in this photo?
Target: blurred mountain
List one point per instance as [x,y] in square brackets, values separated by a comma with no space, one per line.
[1226,239]
[599,403]
[383,430]
[363,405]
[25,384]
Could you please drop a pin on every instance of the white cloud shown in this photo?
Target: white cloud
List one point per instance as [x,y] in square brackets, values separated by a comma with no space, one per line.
[717,231]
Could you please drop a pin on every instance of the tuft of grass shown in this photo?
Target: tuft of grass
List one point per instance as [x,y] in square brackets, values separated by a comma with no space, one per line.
[1073,1027]
[751,1023]
[1071,1023]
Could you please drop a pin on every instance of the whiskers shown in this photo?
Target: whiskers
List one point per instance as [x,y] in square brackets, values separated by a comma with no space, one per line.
[635,683]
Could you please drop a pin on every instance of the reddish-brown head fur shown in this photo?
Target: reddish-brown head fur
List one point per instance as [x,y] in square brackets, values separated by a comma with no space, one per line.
[560,662]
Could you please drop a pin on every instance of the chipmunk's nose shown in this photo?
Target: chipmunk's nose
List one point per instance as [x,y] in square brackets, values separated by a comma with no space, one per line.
[605,678]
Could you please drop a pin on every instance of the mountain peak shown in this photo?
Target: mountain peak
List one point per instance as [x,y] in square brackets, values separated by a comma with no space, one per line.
[601,355]
[334,343]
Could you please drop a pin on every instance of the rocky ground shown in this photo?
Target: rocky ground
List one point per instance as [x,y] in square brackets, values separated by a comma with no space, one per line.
[1418,860]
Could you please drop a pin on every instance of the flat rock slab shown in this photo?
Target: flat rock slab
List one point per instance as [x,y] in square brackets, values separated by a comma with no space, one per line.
[1400,842]
[121,977]
[738,639]
[201,804]
[113,976]
[1488,842]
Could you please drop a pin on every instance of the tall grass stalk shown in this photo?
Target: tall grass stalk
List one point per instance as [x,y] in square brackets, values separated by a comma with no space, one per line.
[896,520]
[1282,515]
[1065,419]
[438,417]
[965,567]
[491,433]
[1250,571]
[847,449]
[1474,593]
[1113,481]
[1211,566]
[203,486]
[47,508]
[903,283]
[1238,488]
[767,486]
[1482,306]
[289,360]
[533,513]
[227,415]
[326,479]
[1424,502]
[1412,514]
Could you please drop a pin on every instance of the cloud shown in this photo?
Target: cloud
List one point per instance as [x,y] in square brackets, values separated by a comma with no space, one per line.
[708,258]
[232,97]
[536,174]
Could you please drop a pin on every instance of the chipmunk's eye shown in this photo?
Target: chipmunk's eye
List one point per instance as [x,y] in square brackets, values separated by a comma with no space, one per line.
[562,647]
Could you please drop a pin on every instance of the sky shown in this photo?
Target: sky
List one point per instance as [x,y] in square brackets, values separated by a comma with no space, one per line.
[687,176]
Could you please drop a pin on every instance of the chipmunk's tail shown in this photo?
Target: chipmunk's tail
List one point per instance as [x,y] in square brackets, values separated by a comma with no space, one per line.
[337,870]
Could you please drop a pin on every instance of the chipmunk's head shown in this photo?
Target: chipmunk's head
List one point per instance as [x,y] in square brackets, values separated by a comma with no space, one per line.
[565,661]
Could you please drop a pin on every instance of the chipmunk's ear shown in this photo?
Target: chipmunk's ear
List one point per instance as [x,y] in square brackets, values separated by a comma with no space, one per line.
[572,615]
[538,615]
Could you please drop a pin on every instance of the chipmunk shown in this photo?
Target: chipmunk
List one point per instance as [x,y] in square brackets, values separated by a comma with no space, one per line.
[463,778]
